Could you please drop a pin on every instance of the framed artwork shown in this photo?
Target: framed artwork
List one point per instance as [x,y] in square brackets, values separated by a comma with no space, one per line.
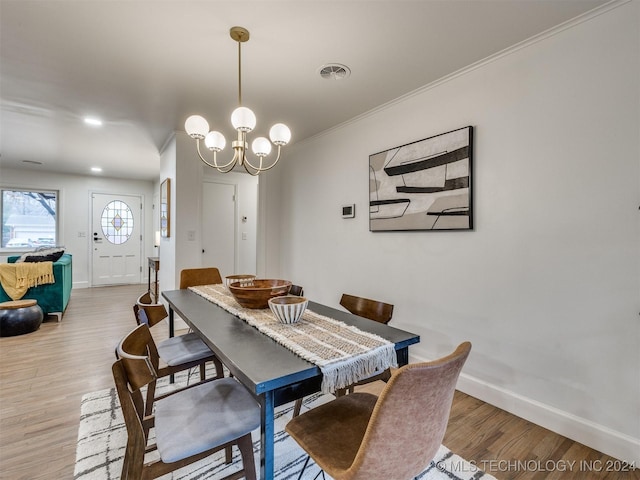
[424,185]
[165,208]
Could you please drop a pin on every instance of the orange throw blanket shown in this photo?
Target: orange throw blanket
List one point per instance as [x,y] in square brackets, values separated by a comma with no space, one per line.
[17,278]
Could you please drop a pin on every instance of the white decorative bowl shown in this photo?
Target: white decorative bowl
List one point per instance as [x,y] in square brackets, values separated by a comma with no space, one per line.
[288,309]
[244,279]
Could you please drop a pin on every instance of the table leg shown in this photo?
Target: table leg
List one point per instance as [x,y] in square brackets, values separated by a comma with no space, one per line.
[267,436]
[402,355]
[171,333]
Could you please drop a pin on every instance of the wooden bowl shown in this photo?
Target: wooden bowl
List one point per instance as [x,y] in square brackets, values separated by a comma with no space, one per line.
[288,309]
[257,293]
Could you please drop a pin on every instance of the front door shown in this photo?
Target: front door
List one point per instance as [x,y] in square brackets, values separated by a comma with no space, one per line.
[116,242]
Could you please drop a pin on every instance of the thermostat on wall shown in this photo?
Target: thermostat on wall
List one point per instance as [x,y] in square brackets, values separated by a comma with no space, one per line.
[349,211]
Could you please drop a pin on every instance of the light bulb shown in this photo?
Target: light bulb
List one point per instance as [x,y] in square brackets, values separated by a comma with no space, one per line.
[196,126]
[280,134]
[243,119]
[215,141]
[261,147]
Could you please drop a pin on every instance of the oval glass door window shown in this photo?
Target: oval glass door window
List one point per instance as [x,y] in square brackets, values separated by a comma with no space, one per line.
[117,222]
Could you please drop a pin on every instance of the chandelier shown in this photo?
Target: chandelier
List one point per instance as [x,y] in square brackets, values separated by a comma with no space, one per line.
[244,121]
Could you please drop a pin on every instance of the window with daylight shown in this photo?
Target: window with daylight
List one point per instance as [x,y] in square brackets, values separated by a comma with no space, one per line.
[117,222]
[29,218]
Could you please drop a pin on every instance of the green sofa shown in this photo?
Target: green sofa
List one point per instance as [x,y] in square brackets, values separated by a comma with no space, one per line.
[53,298]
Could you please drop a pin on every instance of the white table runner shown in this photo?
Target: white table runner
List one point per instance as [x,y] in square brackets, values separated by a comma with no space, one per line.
[344,354]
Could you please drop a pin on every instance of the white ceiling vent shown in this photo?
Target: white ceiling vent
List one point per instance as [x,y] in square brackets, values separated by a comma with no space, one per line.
[334,71]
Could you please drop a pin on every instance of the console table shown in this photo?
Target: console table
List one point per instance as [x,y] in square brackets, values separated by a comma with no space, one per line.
[154,264]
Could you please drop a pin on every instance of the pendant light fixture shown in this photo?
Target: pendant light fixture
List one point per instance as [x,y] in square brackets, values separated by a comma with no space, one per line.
[244,121]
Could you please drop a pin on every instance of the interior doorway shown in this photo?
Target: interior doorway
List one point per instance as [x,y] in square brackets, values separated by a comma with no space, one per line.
[219,226]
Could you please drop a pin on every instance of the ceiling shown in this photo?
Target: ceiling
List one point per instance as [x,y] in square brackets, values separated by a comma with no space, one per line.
[144,66]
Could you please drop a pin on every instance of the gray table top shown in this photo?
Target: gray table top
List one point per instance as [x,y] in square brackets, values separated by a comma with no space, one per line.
[258,361]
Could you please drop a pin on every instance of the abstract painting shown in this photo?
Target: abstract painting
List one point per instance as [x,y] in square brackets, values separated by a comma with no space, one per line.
[424,185]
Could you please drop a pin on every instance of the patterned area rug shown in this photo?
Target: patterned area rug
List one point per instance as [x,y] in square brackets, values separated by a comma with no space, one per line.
[102,438]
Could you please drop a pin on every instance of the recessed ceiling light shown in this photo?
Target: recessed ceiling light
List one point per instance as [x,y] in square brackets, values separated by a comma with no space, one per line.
[32,162]
[96,169]
[93,121]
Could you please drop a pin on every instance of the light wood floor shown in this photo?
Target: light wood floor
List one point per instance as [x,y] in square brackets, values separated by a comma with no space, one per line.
[43,376]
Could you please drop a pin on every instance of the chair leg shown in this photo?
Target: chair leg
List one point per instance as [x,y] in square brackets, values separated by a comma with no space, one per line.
[245,444]
[304,466]
[297,408]
[228,455]
[203,373]
[219,368]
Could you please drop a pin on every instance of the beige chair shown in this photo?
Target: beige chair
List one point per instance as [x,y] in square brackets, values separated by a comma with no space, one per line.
[393,436]
[191,277]
[179,353]
[190,424]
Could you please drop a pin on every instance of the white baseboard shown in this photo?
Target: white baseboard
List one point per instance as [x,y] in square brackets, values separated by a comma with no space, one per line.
[616,444]
[603,439]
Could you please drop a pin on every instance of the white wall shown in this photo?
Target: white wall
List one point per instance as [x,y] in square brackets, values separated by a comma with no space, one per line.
[547,287]
[180,163]
[75,212]
[246,208]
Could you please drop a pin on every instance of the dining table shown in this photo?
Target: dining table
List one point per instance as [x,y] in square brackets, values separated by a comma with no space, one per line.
[274,374]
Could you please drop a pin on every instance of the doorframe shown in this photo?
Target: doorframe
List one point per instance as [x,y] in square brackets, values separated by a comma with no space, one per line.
[236,226]
[90,229]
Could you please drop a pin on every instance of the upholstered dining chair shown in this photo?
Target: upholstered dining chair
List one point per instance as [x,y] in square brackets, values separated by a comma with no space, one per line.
[191,277]
[396,435]
[190,424]
[178,353]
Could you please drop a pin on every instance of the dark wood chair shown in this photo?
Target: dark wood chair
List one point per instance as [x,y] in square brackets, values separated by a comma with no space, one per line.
[190,424]
[296,290]
[179,353]
[191,277]
[367,308]
[373,310]
[396,435]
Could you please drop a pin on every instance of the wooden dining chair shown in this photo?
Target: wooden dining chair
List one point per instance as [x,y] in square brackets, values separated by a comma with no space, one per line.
[178,353]
[396,435]
[190,424]
[296,290]
[373,310]
[367,308]
[191,277]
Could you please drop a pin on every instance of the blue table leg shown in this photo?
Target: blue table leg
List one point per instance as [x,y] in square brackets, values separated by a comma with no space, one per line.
[171,333]
[266,437]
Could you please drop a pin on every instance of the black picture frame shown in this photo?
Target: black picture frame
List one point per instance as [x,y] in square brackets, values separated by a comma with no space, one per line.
[423,185]
[165,208]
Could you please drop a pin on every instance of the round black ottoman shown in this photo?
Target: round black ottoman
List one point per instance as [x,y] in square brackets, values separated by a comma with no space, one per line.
[19,317]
